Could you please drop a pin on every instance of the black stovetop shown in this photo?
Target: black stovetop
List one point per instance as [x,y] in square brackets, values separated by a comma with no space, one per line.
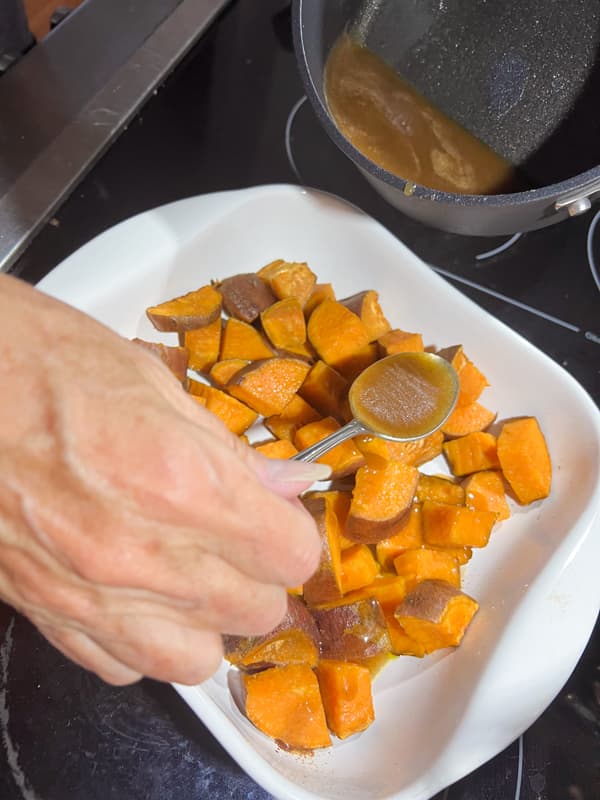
[233,115]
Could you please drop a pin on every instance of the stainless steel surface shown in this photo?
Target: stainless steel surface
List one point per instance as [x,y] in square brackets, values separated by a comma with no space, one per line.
[316,450]
[66,101]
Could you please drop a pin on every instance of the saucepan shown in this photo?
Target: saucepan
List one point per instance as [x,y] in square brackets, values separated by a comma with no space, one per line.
[523,76]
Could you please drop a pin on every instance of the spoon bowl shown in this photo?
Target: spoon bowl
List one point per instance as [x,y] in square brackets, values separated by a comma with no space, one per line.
[402,397]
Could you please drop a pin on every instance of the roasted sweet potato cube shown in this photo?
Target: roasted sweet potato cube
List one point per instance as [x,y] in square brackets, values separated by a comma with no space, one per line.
[399,341]
[366,306]
[285,704]
[289,279]
[485,491]
[347,696]
[336,333]
[284,323]
[408,536]
[359,567]
[326,583]
[344,459]
[320,292]
[402,644]
[326,389]
[439,489]
[418,452]
[436,614]
[472,453]
[296,414]
[294,641]
[382,496]
[192,310]
[353,365]
[446,525]
[525,459]
[203,345]
[174,357]
[241,340]
[245,296]
[471,380]
[277,448]
[426,564]
[388,590]
[236,415]
[468,419]
[269,384]
[352,631]
[222,371]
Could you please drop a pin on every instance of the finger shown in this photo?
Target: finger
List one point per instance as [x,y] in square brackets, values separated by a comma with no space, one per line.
[286,478]
[164,650]
[78,647]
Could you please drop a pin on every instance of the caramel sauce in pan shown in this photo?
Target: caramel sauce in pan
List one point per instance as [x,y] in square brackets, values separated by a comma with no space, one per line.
[404,396]
[397,128]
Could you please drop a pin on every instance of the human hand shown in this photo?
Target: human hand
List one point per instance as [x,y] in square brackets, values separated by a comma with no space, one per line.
[134,528]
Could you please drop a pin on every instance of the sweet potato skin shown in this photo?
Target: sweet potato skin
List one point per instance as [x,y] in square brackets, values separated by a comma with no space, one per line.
[245,296]
[352,631]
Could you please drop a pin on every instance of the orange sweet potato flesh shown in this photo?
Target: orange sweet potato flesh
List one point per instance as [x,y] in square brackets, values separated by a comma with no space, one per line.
[285,704]
[401,642]
[485,491]
[366,306]
[344,459]
[359,567]
[277,448]
[415,453]
[241,340]
[427,564]
[446,525]
[336,333]
[294,641]
[174,357]
[222,371]
[472,453]
[269,384]
[192,310]
[245,296]
[295,414]
[436,614]
[347,696]
[289,279]
[439,489]
[284,323]
[525,459]
[409,535]
[471,380]
[326,390]
[326,583]
[382,496]
[398,341]
[467,419]
[352,631]
[204,345]
[320,292]
[236,415]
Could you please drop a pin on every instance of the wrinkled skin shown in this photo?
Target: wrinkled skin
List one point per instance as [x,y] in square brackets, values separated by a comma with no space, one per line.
[134,528]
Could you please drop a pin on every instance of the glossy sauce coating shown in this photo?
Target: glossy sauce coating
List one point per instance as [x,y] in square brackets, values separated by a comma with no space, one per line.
[404,396]
[397,128]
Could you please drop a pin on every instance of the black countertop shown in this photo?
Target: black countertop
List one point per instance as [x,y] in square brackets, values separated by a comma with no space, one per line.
[233,115]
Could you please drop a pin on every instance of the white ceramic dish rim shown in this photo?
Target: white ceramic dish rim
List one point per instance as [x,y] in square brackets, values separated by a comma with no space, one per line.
[154,252]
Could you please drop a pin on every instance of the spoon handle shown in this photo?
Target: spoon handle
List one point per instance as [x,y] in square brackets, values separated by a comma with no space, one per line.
[315,451]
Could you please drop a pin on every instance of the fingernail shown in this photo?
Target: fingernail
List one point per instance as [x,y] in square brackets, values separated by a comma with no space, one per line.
[292,471]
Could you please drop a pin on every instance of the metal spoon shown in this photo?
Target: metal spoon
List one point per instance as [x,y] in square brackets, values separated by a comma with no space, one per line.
[402,397]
